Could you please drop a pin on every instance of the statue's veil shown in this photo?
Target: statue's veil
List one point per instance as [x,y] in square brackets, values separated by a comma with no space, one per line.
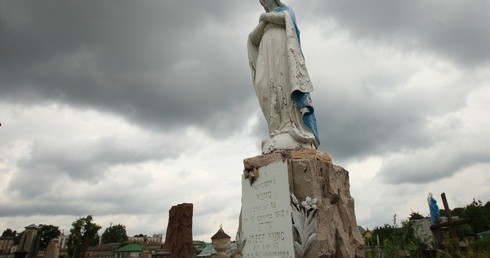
[278,3]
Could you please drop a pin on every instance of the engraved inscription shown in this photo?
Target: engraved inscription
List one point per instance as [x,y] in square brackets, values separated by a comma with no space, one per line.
[266,214]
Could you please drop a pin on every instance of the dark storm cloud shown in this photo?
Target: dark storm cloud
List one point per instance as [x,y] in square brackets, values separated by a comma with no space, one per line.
[151,62]
[457,30]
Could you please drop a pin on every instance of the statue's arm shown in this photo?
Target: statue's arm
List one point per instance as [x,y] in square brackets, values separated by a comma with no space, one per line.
[278,18]
[256,34]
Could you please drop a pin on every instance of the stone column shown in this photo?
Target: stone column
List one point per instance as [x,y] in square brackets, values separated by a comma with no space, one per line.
[179,231]
[297,204]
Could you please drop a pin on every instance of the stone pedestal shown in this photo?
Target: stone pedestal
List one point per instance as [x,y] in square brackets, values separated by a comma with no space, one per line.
[297,204]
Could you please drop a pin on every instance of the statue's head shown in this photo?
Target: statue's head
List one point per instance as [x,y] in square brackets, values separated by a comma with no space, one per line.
[266,3]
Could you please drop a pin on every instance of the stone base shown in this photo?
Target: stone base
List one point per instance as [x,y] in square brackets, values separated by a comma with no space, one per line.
[324,221]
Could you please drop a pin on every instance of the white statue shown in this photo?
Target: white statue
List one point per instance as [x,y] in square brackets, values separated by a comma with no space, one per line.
[281,80]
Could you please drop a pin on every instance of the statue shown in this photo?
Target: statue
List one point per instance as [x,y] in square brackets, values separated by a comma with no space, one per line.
[281,80]
[434,209]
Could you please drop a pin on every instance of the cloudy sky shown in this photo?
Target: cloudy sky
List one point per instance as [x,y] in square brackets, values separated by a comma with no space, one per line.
[121,109]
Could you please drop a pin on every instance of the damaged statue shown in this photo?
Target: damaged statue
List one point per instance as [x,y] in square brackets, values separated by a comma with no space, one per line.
[281,80]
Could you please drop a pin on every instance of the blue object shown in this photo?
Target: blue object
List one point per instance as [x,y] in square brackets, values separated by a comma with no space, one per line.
[303,100]
[434,209]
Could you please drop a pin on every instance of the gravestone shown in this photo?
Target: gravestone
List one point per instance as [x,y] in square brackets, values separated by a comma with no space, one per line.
[266,212]
[297,204]
[53,249]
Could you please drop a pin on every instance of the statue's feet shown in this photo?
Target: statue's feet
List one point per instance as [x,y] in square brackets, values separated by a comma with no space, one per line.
[283,142]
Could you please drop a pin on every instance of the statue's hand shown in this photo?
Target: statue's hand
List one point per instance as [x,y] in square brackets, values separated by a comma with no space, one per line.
[304,111]
[263,17]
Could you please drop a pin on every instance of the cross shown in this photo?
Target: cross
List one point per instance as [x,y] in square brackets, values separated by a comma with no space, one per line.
[450,222]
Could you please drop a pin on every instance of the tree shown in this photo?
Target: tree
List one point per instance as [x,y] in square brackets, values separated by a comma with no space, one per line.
[46,233]
[480,216]
[457,212]
[9,233]
[115,234]
[12,233]
[82,235]
[415,216]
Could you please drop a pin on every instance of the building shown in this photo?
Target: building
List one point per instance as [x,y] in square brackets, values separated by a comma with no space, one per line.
[129,251]
[102,251]
[155,239]
[220,246]
[484,235]
[6,244]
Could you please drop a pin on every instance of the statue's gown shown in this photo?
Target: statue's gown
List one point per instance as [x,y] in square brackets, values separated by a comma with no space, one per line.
[278,70]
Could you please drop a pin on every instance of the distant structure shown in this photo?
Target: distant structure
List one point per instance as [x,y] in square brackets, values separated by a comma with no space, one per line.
[220,247]
[6,244]
[53,249]
[29,243]
[155,239]
[63,240]
[221,243]
[129,251]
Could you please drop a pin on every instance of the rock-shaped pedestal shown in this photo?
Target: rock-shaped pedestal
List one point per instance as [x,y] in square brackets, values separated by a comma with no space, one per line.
[178,239]
[297,204]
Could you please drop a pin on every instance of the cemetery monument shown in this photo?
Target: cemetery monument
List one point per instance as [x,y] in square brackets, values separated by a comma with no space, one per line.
[295,201]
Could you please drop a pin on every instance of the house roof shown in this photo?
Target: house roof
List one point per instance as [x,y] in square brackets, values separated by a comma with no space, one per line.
[32,226]
[208,250]
[361,230]
[220,234]
[104,247]
[130,248]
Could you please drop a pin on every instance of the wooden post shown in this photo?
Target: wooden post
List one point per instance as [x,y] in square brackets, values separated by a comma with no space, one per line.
[449,217]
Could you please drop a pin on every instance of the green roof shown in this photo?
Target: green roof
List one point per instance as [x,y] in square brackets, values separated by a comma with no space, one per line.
[129,248]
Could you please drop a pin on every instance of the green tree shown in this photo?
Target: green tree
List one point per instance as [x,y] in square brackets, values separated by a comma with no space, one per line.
[415,216]
[115,234]
[46,233]
[12,233]
[480,216]
[9,233]
[386,232]
[456,212]
[82,235]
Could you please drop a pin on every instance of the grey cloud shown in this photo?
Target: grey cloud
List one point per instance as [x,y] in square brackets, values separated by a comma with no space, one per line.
[143,62]
[456,30]
[367,123]
[431,164]
[50,161]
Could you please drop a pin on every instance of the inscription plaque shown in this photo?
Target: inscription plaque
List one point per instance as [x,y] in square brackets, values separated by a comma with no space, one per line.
[266,214]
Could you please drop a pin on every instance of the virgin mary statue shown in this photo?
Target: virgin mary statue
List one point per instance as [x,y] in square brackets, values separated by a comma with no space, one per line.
[281,80]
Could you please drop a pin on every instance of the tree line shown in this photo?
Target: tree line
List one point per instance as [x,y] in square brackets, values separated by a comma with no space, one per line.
[83,234]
